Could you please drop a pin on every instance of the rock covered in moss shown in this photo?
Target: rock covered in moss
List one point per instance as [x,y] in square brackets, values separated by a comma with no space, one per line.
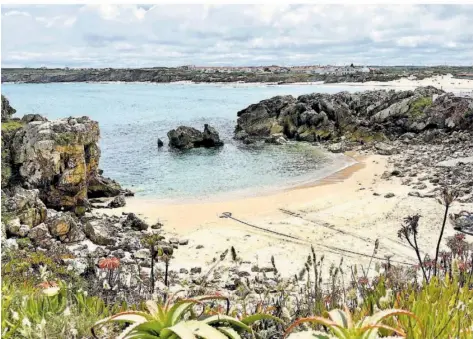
[361,117]
[59,158]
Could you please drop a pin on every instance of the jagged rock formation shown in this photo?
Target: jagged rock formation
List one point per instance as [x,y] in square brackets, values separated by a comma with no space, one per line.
[363,116]
[188,137]
[7,110]
[57,158]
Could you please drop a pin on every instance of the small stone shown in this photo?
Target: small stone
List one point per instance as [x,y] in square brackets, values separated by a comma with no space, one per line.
[183,242]
[143,253]
[160,143]
[196,270]
[389,195]
[174,241]
[184,271]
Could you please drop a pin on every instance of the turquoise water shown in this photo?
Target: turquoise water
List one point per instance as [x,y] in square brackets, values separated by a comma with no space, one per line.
[133,116]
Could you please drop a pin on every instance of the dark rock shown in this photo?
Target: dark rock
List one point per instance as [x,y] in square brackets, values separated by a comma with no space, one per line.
[188,137]
[33,117]
[389,195]
[210,137]
[7,110]
[361,117]
[196,270]
[160,143]
[118,201]
[132,221]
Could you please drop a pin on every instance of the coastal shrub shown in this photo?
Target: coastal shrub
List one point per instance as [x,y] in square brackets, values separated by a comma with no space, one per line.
[180,320]
[340,325]
[11,125]
[443,308]
[49,310]
[33,267]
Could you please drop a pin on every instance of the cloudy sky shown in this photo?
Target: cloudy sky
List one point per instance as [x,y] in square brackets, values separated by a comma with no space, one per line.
[173,35]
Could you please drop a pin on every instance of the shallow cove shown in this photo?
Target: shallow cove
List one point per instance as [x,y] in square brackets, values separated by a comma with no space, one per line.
[133,115]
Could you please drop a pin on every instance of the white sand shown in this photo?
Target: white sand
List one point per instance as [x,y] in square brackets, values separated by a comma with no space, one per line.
[344,201]
[444,82]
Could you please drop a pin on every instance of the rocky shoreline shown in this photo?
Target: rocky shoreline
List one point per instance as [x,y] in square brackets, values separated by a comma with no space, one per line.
[52,181]
[168,75]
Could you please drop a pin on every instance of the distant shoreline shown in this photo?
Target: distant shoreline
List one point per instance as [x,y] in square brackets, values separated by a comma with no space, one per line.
[445,82]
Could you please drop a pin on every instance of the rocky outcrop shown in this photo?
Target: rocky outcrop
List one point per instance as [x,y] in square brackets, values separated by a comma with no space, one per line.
[23,211]
[58,158]
[7,110]
[185,137]
[360,117]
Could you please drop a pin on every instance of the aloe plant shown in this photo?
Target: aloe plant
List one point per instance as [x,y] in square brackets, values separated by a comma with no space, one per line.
[179,320]
[341,325]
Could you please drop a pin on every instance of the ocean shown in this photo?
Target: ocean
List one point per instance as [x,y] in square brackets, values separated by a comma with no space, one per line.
[133,115]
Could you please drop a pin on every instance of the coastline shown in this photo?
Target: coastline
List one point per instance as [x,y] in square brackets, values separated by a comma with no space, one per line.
[342,202]
[444,82]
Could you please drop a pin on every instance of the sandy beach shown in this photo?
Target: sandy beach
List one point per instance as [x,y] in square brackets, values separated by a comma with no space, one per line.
[443,82]
[338,216]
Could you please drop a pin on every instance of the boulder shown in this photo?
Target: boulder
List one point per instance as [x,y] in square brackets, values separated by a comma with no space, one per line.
[384,149]
[132,221]
[184,137]
[15,228]
[118,201]
[40,236]
[188,137]
[100,186]
[33,117]
[26,206]
[66,227]
[336,148]
[100,232]
[7,110]
[277,139]
[210,137]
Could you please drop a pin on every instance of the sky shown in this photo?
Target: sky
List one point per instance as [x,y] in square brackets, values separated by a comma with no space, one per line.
[235,35]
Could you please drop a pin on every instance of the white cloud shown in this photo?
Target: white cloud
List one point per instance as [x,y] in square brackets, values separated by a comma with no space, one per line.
[171,35]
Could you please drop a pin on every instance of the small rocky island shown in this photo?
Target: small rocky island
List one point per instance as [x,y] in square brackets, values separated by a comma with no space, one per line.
[185,137]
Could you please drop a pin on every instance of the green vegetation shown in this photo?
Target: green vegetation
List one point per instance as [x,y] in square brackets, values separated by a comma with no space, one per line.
[66,138]
[11,125]
[342,326]
[179,320]
[43,298]
[365,136]
[417,108]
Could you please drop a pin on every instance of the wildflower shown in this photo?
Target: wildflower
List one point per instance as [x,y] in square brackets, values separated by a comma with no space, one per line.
[109,263]
[386,299]
[15,316]
[51,291]
[351,295]
[67,311]
[106,285]
[363,281]
[47,284]
[25,322]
